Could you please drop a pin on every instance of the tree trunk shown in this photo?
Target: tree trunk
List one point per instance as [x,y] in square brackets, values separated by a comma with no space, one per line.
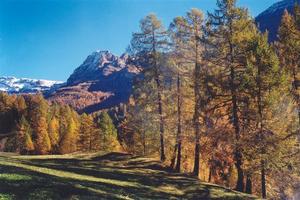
[159,103]
[263,180]
[238,154]
[174,156]
[249,184]
[178,162]
[179,103]
[196,118]
[261,136]
[161,121]
[144,143]
[236,124]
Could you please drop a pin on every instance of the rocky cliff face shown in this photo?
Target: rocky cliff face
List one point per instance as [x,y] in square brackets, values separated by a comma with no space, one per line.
[102,81]
[270,19]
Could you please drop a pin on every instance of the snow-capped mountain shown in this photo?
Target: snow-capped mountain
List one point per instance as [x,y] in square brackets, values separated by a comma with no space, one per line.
[270,19]
[26,85]
[102,81]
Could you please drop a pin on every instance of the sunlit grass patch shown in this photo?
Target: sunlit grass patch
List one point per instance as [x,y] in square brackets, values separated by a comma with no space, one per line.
[14,177]
[70,175]
[43,193]
[7,196]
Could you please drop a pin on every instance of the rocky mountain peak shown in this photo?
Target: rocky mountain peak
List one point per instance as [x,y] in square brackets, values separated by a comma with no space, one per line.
[102,81]
[98,65]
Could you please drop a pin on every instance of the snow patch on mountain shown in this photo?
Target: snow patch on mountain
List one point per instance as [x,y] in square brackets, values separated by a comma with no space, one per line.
[26,85]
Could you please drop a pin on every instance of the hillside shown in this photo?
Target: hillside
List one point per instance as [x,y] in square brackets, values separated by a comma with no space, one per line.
[94,176]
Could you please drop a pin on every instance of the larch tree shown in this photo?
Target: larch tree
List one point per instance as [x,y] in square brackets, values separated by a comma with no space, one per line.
[68,143]
[261,78]
[229,30]
[38,115]
[85,133]
[53,130]
[23,137]
[288,50]
[108,132]
[187,37]
[148,45]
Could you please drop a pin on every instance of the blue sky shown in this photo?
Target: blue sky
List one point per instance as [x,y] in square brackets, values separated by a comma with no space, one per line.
[49,38]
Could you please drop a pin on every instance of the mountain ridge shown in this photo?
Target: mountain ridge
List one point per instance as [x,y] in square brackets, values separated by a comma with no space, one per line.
[270,19]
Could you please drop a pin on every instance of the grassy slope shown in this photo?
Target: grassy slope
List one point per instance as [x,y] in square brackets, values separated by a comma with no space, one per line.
[110,176]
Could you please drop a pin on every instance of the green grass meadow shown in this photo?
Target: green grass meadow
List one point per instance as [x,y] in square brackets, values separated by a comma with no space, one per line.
[100,176]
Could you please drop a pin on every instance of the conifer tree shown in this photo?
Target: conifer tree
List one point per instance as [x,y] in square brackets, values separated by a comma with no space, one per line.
[85,131]
[38,115]
[108,131]
[262,77]
[68,143]
[24,141]
[188,40]
[230,28]
[53,131]
[148,46]
[288,50]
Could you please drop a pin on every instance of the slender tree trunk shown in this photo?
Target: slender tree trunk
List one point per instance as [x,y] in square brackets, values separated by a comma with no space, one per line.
[159,100]
[210,174]
[144,143]
[178,162]
[263,180]
[261,129]
[179,103]
[237,154]
[249,184]
[161,124]
[177,148]
[174,156]
[236,124]
[196,118]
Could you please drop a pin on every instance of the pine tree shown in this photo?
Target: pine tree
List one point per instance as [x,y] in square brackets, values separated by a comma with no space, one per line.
[148,46]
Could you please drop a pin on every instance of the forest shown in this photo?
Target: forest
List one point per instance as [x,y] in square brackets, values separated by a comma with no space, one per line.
[41,129]
[215,99]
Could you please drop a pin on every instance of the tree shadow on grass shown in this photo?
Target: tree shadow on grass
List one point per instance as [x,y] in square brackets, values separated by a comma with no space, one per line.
[146,179]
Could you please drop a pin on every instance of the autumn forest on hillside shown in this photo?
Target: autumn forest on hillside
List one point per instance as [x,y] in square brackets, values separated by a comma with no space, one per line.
[215,100]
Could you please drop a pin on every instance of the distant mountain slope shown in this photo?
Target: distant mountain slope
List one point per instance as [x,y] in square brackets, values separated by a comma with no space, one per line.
[270,19]
[26,85]
[102,81]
